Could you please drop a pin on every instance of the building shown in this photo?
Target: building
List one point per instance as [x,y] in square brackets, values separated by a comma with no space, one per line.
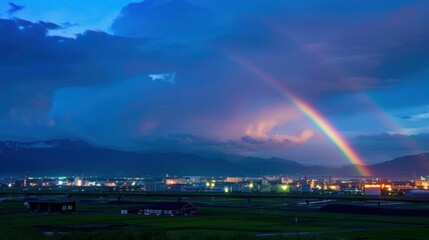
[282,188]
[234,179]
[372,189]
[265,186]
[355,191]
[246,189]
[421,183]
[286,180]
[178,188]
[77,181]
[172,181]
[305,188]
[155,187]
[377,189]
[164,208]
[234,187]
[51,206]
[417,193]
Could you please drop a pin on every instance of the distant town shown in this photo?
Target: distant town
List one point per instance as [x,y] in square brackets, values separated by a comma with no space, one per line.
[417,187]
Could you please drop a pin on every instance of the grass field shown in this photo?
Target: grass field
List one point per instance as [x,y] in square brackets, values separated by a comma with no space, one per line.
[210,223]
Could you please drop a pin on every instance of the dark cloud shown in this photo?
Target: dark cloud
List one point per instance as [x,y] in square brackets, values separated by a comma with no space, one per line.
[252,140]
[49,25]
[322,51]
[384,146]
[403,117]
[173,20]
[416,117]
[14,8]
[69,24]
[189,143]
[41,74]
[35,64]
[207,145]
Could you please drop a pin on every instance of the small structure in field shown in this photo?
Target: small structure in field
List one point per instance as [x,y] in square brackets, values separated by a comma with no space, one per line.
[51,206]
[163,208]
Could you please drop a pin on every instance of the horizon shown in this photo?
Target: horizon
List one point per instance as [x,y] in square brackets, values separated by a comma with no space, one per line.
[42,158]
[262,79]
[212,155]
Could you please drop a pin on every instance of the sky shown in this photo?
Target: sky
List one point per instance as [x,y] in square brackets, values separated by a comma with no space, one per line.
[267,78]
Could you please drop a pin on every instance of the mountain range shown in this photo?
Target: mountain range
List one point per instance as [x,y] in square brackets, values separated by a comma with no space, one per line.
[68,157]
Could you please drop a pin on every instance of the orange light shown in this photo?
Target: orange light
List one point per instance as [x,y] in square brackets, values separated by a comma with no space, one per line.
[372,185]
[383,186]
[171,181]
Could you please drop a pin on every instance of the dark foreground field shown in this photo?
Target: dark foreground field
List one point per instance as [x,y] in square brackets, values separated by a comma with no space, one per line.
[210,223]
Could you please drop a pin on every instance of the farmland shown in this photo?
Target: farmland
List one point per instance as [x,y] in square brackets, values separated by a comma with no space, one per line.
[219,218]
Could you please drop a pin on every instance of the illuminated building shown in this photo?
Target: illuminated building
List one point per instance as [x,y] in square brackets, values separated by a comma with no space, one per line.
[265,186]
[353,191]
[248,188]
[286,180]
[234,179]
[110,184]
[376,189]
[421,183]
[77,181]
[372,189]
[172,181]
[312,185]
[282,188]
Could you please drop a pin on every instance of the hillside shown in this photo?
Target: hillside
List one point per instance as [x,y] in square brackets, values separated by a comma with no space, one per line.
[66,157]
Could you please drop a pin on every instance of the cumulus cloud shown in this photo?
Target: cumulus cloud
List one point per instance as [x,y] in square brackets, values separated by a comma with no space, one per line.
[302,137]
[263,132]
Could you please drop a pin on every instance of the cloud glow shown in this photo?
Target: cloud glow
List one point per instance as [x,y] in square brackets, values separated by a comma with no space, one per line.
[164,77]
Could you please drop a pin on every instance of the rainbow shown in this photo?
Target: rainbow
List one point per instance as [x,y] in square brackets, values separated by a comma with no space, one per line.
[311,113]
[335,71]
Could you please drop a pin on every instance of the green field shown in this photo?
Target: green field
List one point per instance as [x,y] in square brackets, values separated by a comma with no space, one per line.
[105,222]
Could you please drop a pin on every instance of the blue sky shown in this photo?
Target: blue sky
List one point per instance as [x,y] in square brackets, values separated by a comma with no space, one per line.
[81,15]
[163,75]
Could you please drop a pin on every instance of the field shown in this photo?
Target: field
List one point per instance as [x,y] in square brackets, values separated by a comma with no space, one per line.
[224,219]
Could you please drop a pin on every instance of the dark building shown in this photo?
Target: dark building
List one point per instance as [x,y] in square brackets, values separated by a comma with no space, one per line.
[51,206]
[164,208]
[155,186]
[178,188]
